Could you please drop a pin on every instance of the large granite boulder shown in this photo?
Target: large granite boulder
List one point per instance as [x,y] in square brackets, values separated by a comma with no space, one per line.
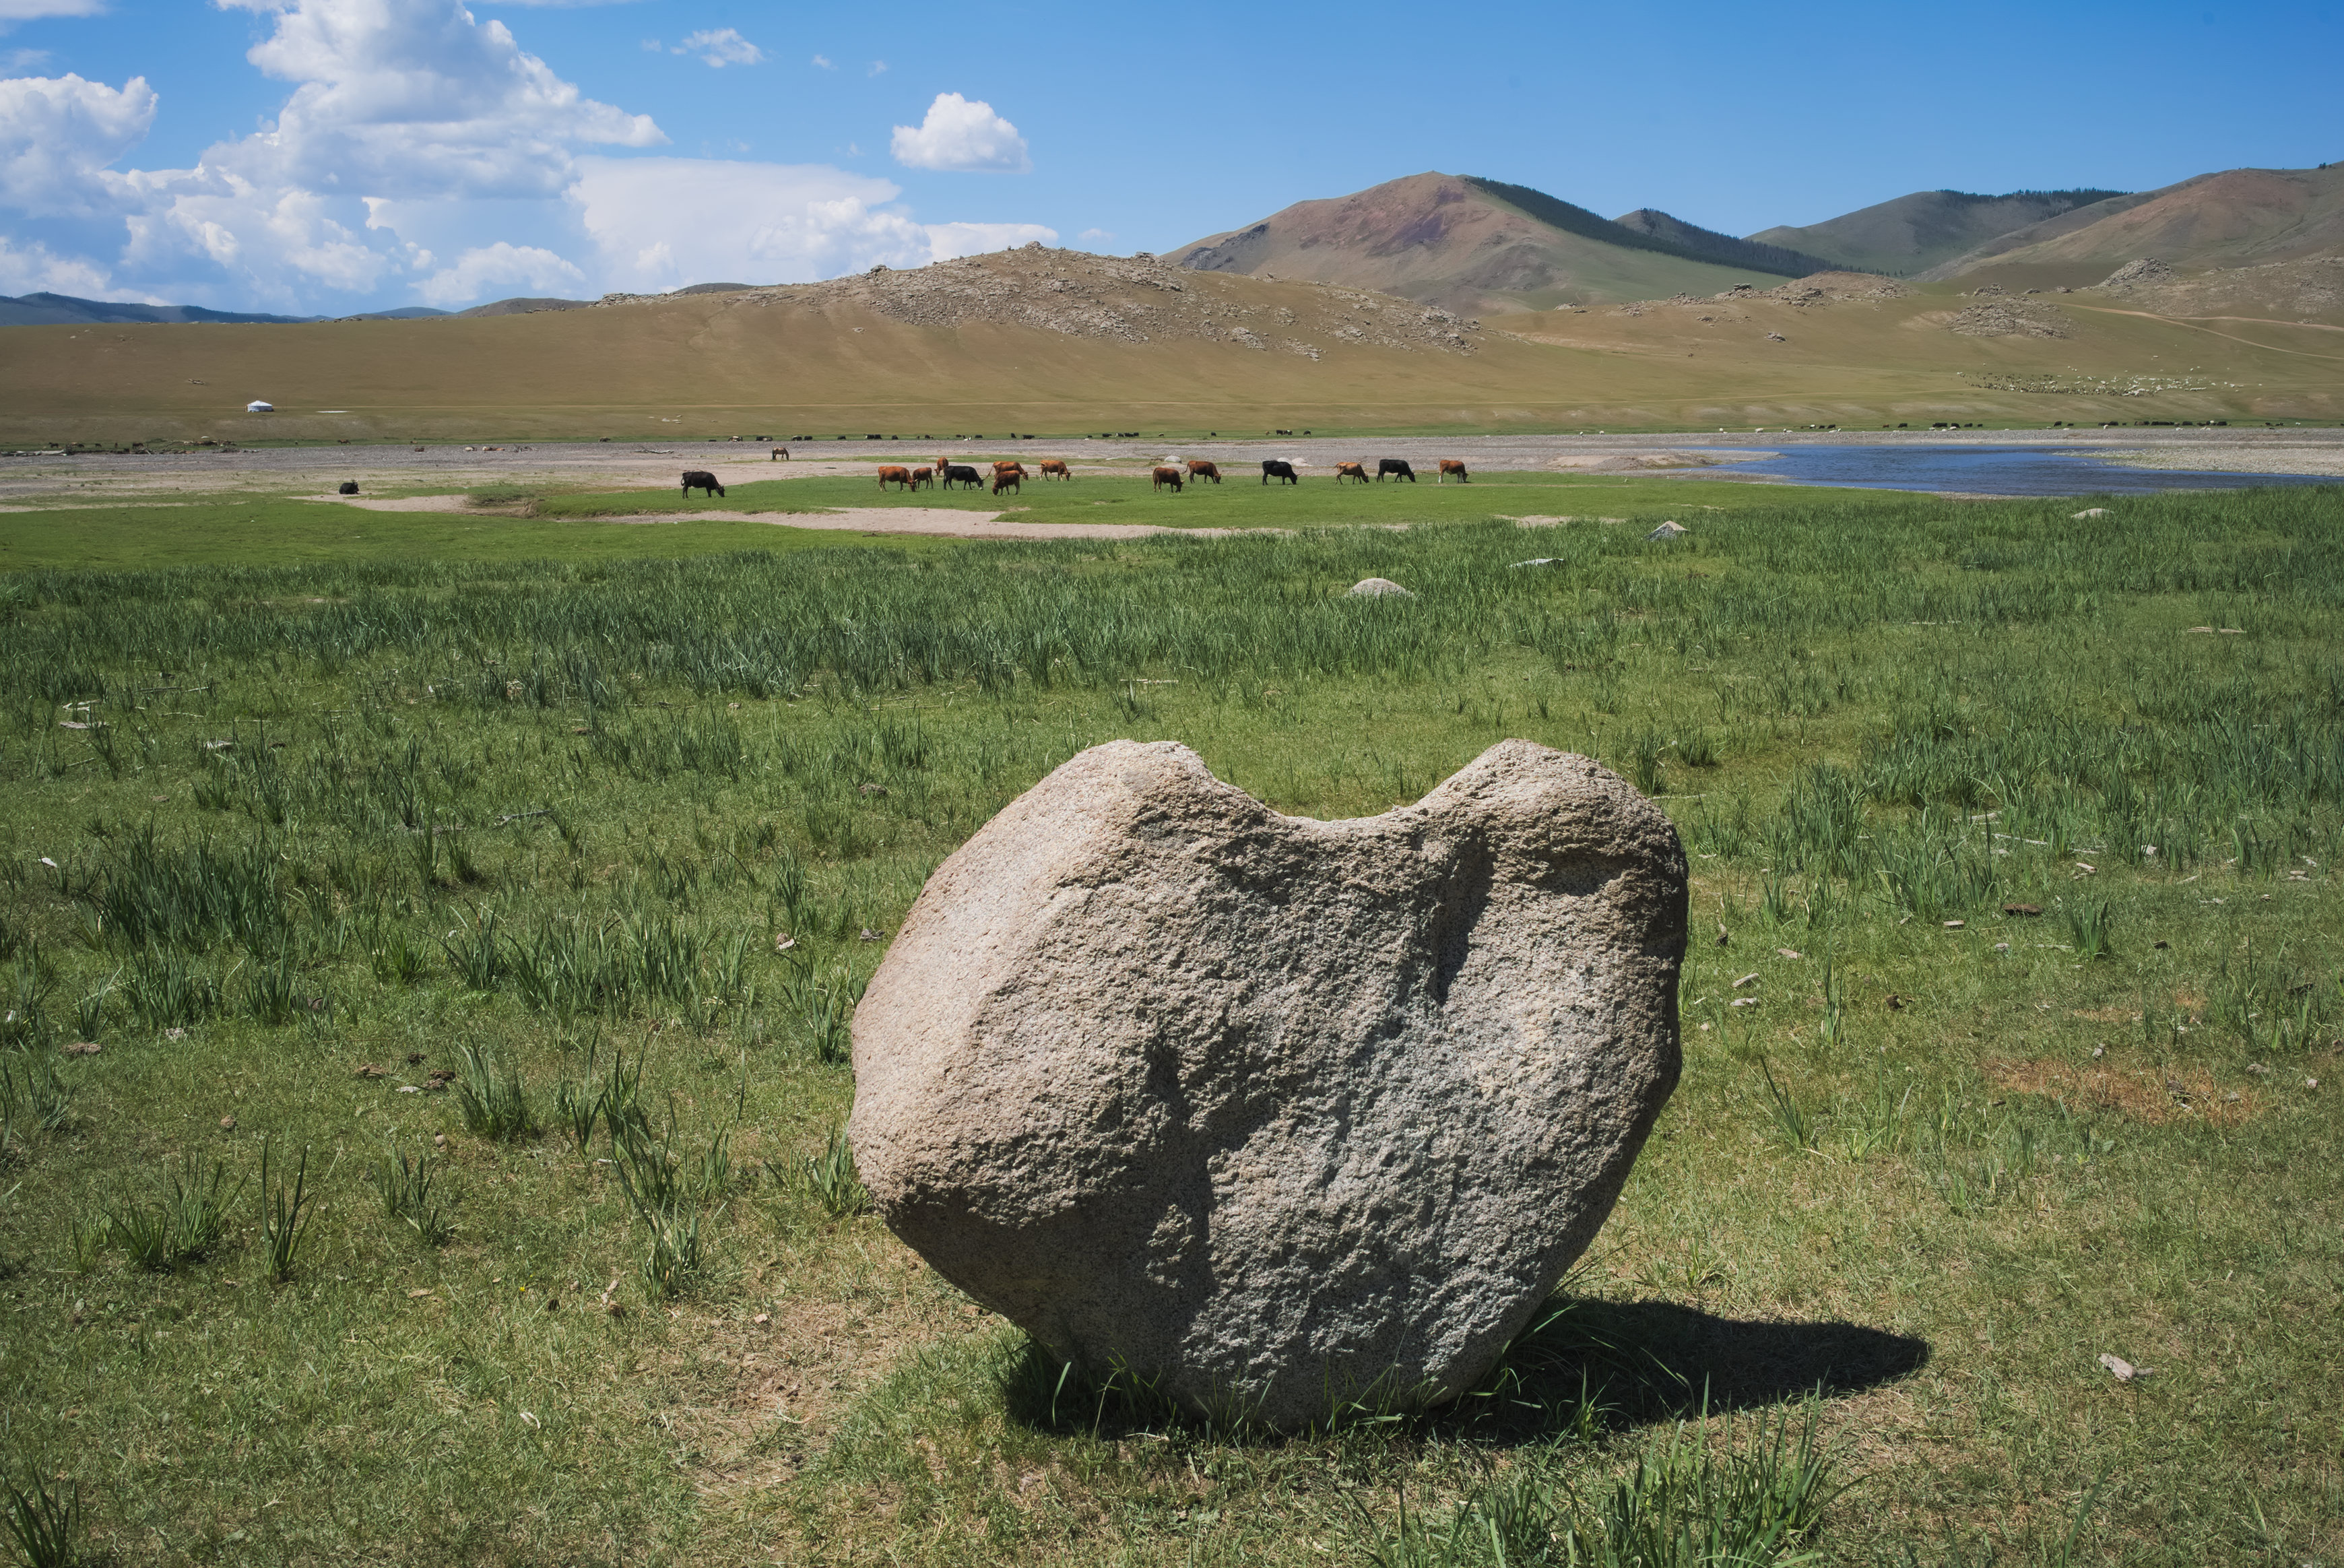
[1277,1113]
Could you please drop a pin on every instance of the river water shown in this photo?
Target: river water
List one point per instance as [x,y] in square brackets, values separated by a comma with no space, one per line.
[1992,470]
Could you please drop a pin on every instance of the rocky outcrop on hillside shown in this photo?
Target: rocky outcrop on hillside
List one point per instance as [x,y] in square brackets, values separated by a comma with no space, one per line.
[2310,290]
[2009,317]
[1138,300]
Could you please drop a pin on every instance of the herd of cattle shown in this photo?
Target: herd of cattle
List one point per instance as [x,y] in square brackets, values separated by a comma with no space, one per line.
[1011,474]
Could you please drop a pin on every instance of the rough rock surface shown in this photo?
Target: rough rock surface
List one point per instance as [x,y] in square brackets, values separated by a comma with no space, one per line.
[1137,300]
[1278,1112]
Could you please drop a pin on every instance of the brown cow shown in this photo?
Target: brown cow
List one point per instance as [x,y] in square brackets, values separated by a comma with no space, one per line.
[1008,476]
[1198,468]
[923,477]
[1351,470]
[893,473]
[1012,466]
[1056,468]
[1162,477]
[1453,466]
[778,455]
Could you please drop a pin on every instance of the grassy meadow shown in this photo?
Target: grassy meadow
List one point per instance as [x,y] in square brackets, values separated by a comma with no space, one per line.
[429,975]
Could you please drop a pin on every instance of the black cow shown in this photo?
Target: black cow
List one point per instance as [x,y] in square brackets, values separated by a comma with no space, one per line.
[700,479]
[349,487]
[961,473]
[1396,467]
[1278,467]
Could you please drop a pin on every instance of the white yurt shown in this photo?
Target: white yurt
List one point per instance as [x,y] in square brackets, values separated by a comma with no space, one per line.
[257,407]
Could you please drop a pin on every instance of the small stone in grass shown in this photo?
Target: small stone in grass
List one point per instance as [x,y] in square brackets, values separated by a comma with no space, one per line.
[1788,953]
[227,1124]
[1956,925]
[2002,947]
[762,1318]
[84,1049]
[2124,1369]
[1749,979]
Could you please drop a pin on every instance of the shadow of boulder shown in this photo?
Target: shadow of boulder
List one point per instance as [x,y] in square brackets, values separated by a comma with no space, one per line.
[1641,1362]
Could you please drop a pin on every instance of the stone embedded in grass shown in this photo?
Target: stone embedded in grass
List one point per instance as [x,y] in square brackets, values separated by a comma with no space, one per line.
[1379,588]
[1277,1114]
[1669,531]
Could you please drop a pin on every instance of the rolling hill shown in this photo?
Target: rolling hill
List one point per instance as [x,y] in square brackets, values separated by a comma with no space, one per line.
[1064,342]
[1476,246]
[1926,228]
[2237,217]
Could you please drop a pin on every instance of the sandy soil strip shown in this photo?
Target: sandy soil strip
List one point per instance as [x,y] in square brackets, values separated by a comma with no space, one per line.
[939,522]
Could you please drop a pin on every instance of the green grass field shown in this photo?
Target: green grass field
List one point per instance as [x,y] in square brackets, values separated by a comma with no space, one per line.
[528,522]
[455,863]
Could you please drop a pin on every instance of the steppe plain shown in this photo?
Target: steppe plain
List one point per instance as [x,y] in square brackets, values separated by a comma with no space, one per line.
[2013,1021]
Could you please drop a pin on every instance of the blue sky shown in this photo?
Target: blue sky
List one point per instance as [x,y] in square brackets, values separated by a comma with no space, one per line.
[330,156]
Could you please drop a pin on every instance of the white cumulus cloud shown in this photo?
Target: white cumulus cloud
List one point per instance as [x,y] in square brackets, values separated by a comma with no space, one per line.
[527,268]
[721,46]
[57,134]
[823,62]
[404,97]
[760,223]
[962,135]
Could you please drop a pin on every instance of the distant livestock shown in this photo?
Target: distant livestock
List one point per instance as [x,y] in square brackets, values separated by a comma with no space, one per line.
[1008,476]
[1278,467]
[1396,468]
[348,487]
[961,473]
[1056,468]
[1351,470]
[1164,475]
[1198,468]
[1453,466]
[778,455]
[895,474]
[700,479]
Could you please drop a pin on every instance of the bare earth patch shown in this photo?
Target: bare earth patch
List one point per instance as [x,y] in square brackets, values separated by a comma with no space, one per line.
[2154,1097]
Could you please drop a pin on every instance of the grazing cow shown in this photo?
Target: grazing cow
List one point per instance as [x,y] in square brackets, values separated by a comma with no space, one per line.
[1008,477]
[895,474]
[1012,466]
[1278,467]
[1453,466]
[1164,475]
[923,477]
[1351,470]
[1198,468]
[700,479]
[1395,467]
[961,473]
[778,455]
[1056,468]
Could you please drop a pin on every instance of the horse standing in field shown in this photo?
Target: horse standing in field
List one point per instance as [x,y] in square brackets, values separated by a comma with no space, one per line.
[778,455]
[700,479]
